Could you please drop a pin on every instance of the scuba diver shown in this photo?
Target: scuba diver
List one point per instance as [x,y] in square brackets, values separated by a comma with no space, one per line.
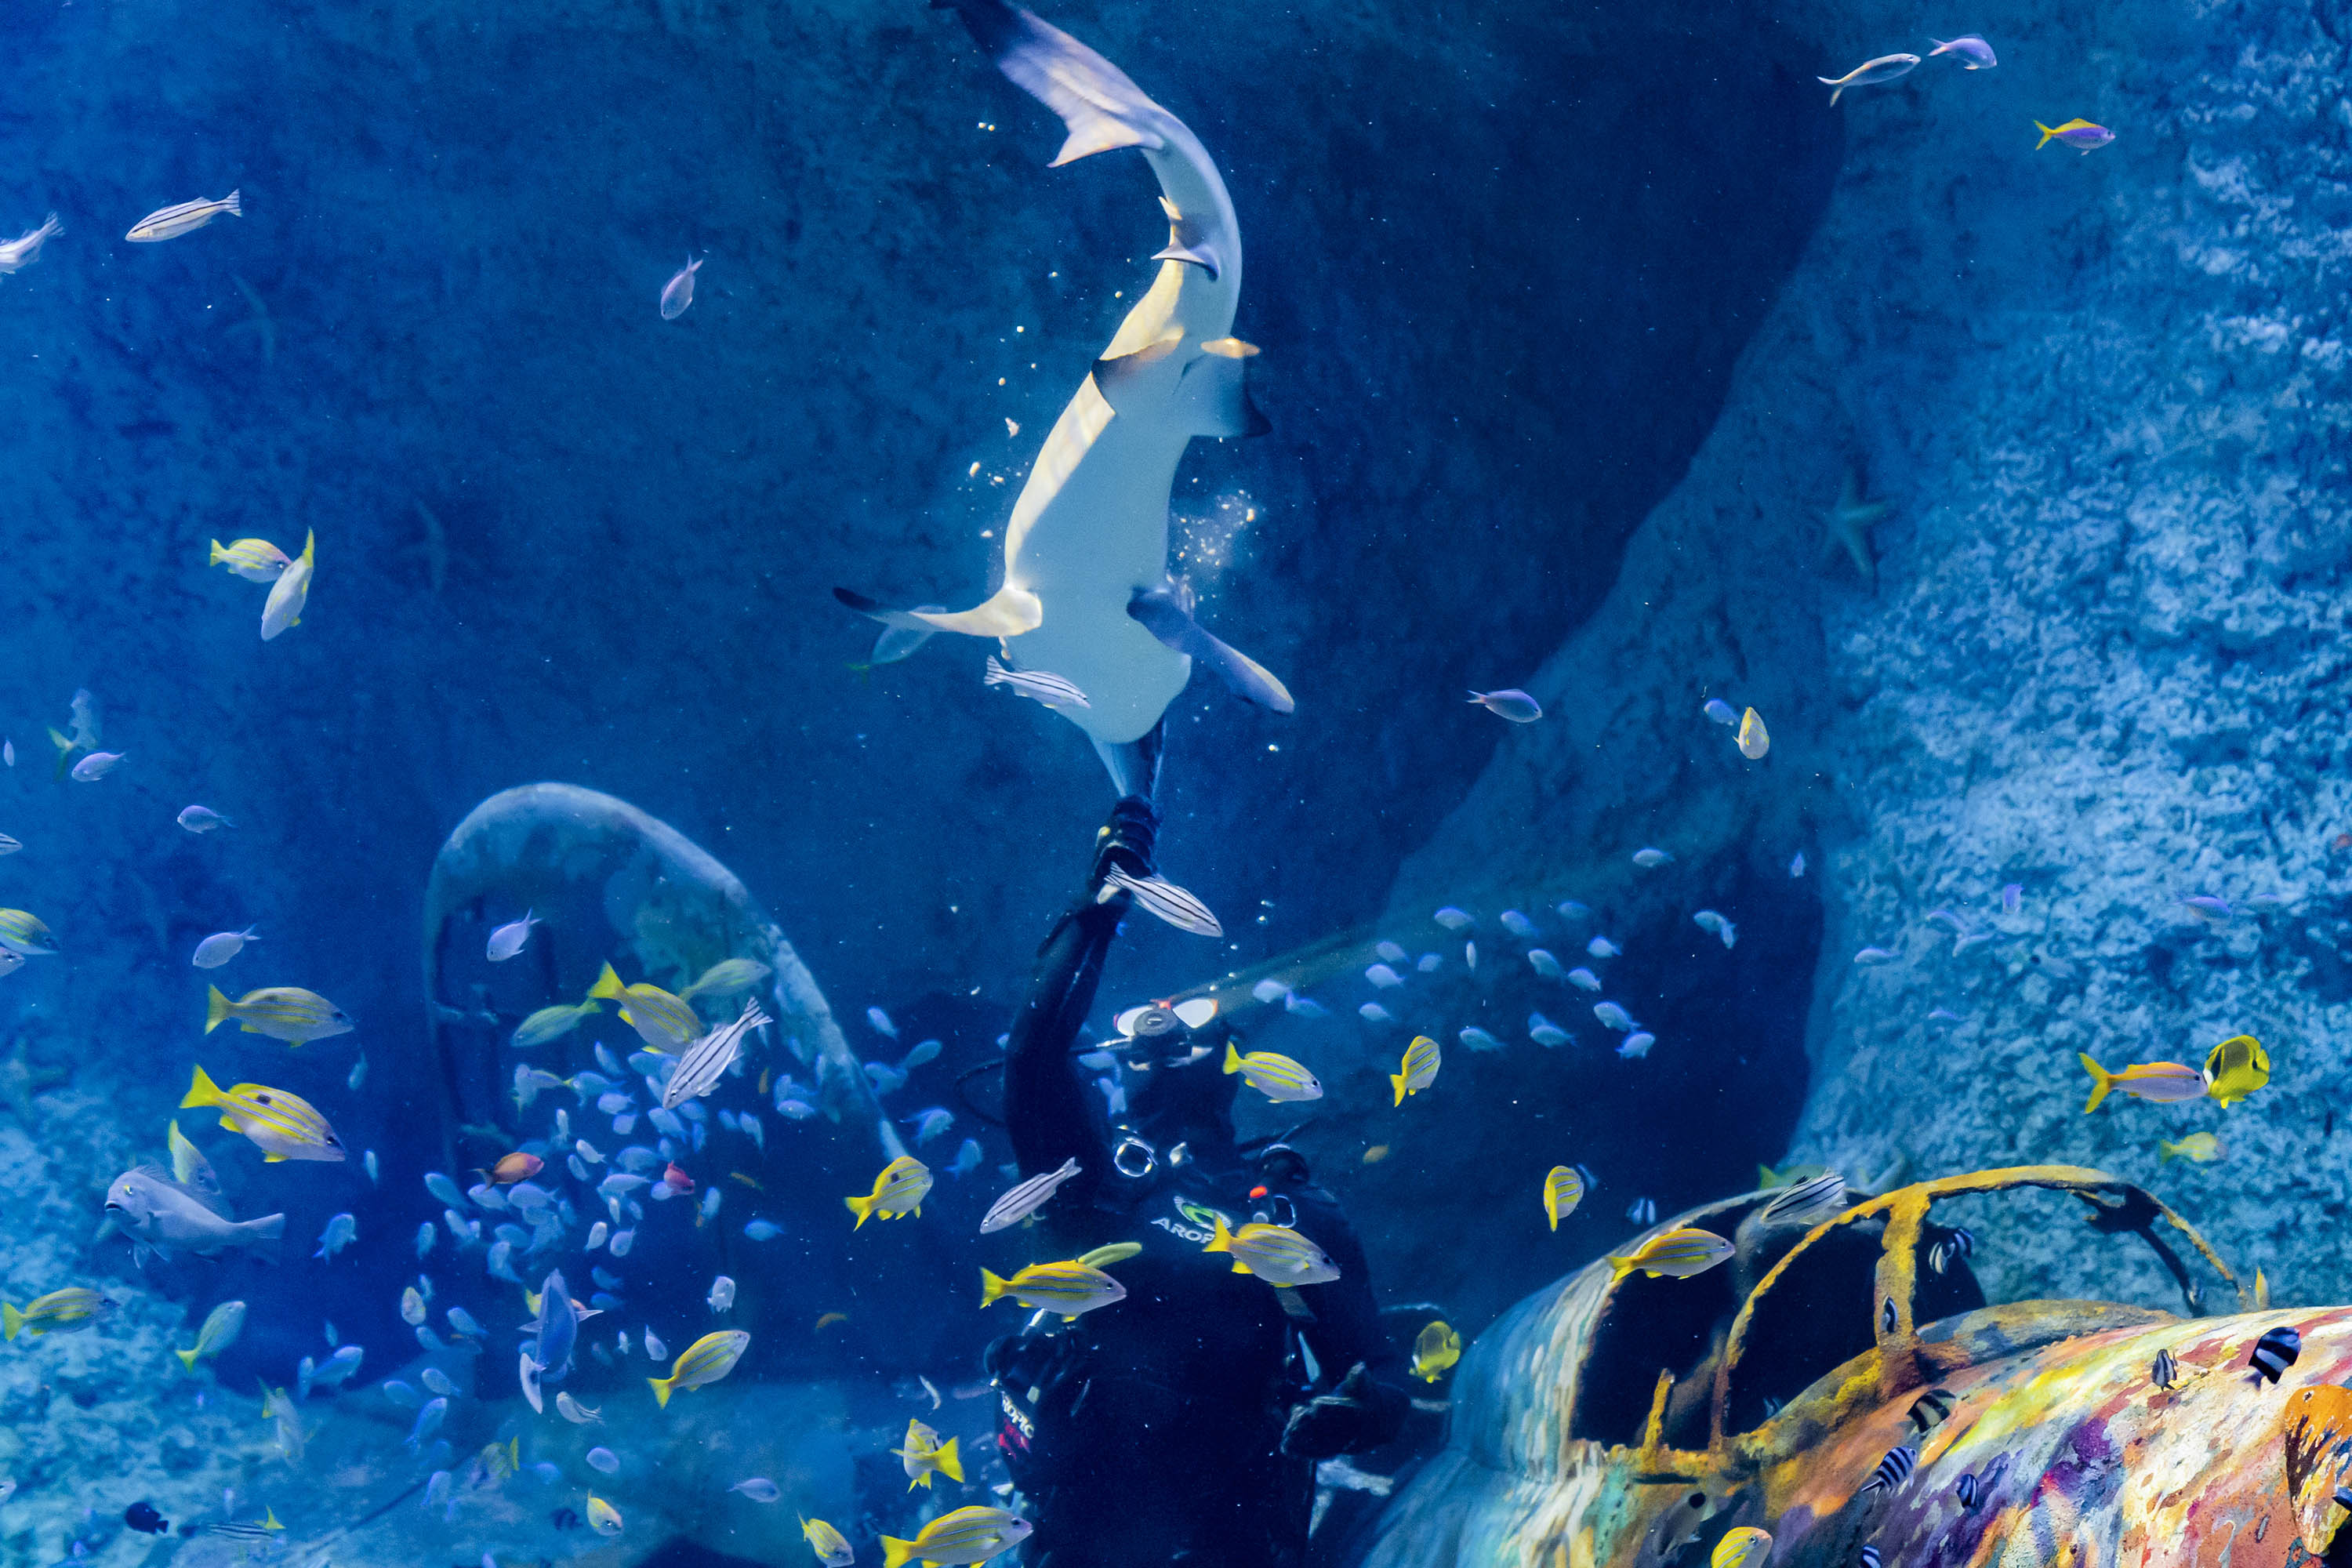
[1181,1424]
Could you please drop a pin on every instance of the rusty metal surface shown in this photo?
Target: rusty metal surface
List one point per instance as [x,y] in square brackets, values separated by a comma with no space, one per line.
[2081,1461]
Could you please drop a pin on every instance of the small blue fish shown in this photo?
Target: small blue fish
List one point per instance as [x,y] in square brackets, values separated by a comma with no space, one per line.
[1518,924]
[967,1160]
[429,1421]
[1546,1033]
[399,1393]
[1636,1045]
[1720,712]
[1545,964]
[763,1230]
[1373,1012]
[1453,918]
[1601,947]
[928,1123]
[1478,1039]
[1613,1017]
[1584,979]
[426,1237]
[463,1322]
[881,1022]
[340,1232]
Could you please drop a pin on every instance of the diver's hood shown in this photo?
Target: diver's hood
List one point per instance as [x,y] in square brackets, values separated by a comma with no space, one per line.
[1185,1095]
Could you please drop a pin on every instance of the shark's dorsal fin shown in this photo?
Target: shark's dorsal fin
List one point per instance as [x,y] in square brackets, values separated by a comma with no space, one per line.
[1100,107]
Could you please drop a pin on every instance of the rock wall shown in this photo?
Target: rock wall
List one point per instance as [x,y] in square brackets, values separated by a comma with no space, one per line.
[2103,395]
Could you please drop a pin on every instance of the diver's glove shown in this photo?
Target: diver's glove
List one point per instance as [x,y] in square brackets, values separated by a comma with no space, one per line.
[1358,1415]
[1126,840]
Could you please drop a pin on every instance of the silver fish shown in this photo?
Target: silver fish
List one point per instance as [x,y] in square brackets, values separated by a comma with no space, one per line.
[1027,1198]
[26,249]
[678,292]
[166,1216]
[708,1059]
[170,223]
[1870,73]
[1035,684]
[1168,902]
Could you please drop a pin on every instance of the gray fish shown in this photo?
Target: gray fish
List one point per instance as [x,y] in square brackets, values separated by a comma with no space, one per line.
[1870,73]
[708,1059]
[1168,902]
[163,1216]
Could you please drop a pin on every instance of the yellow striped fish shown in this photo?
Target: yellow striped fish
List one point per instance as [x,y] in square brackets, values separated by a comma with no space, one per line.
[1419,1069]
[1436,1348]
[1745,1547]
[706,1361]
[967,1535]
[1679,1253]
[925,1456]
[255,560]
[283,1126]
[1273,1075]
[1563,1190]
[1274,1253]
[285,1013]
[1069,1288]
[660,1019]
[170,223]
[25,934]
[900,1189]
[832,1548]
[73,1309]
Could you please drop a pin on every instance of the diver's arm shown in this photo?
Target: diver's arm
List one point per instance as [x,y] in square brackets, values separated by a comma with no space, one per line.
[1048,1106]
[1369,1405]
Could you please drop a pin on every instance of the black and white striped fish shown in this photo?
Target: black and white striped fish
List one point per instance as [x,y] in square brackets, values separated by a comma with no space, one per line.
[705,1061]
[1930,1410]
[2164,1371]
[1809,1203]
[1642,1211]
[1893,1469]
[1886,1316]
[1869,1558]
[2276,1352]
[1035,684]
[1168,902]
[1970,1491]
[1950,1249]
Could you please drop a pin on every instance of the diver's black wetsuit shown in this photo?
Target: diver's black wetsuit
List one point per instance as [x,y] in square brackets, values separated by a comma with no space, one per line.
[1177,1425]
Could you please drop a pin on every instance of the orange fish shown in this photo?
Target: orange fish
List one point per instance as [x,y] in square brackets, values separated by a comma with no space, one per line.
[828,1320]
[515,1167]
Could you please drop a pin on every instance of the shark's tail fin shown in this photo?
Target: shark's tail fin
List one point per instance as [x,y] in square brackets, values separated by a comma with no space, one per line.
[1102,108]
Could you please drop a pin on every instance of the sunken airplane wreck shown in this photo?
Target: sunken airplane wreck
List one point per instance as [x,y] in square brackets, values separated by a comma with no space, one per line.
[1833,1387]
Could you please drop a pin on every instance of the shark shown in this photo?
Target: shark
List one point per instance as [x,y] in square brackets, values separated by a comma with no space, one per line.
[1085,593]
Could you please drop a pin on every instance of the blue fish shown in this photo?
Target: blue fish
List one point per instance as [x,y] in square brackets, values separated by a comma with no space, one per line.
[429,1421]
[556,1332]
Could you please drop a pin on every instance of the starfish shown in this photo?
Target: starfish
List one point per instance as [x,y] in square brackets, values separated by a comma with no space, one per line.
[1849,525]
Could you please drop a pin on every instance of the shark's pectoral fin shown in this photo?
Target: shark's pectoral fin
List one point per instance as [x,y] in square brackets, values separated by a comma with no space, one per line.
[1100,107]
[1009,612]
[1159,613]
[1214,398]
[1118,380]
[1201,256]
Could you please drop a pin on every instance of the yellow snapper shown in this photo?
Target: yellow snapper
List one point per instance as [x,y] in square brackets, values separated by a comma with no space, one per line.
[660,1019]
[69,1311]
[706,1361]
[966,1535]
[255,560]
[900,1189]
[925,1456]
[2201,1147]
[2163,1082]
[1753,742]
[1679,1253]
[725,978]
[2235,1069]
[221,1327]
[1069,1288]
[1273,1075]
[170,223]
[25,934]
[1274,1253]
[283,1126]
[1563,1190]
[286,1416]
[1745,1547]
[1419,1069]
[553,1023]
[832,1548]
[602,1517]
[291,593]
[1436,1348]
[285,1013]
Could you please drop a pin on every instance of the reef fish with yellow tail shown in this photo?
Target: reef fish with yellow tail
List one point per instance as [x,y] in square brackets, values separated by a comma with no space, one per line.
[285,1013]
[2235,1069]
[832,1548]
[1085,589]
[900,1189]
[2162,1082]
[706,1361]
[1273,1075]
[1068,1287]
[2201,1147]
[660,1019]
[283,1126]
[966,1535]
[1274,1253]
[1563,1189]
[1745,1547]
[1419,1068]
[1436,1349]
[290,595]
[221,1327]
[1677,1254]
[69,1311]
[2079,134]
[925,1456]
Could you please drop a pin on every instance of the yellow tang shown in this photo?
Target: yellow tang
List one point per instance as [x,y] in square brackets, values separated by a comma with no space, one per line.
[1563,1190]
[1753,742]
[285,1013]
[2235,1069]
[284,1126]
[1679,1253]
[1745,1547]
[900,1189]
[1436,1348]
[1419,1069]
[706,1361]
